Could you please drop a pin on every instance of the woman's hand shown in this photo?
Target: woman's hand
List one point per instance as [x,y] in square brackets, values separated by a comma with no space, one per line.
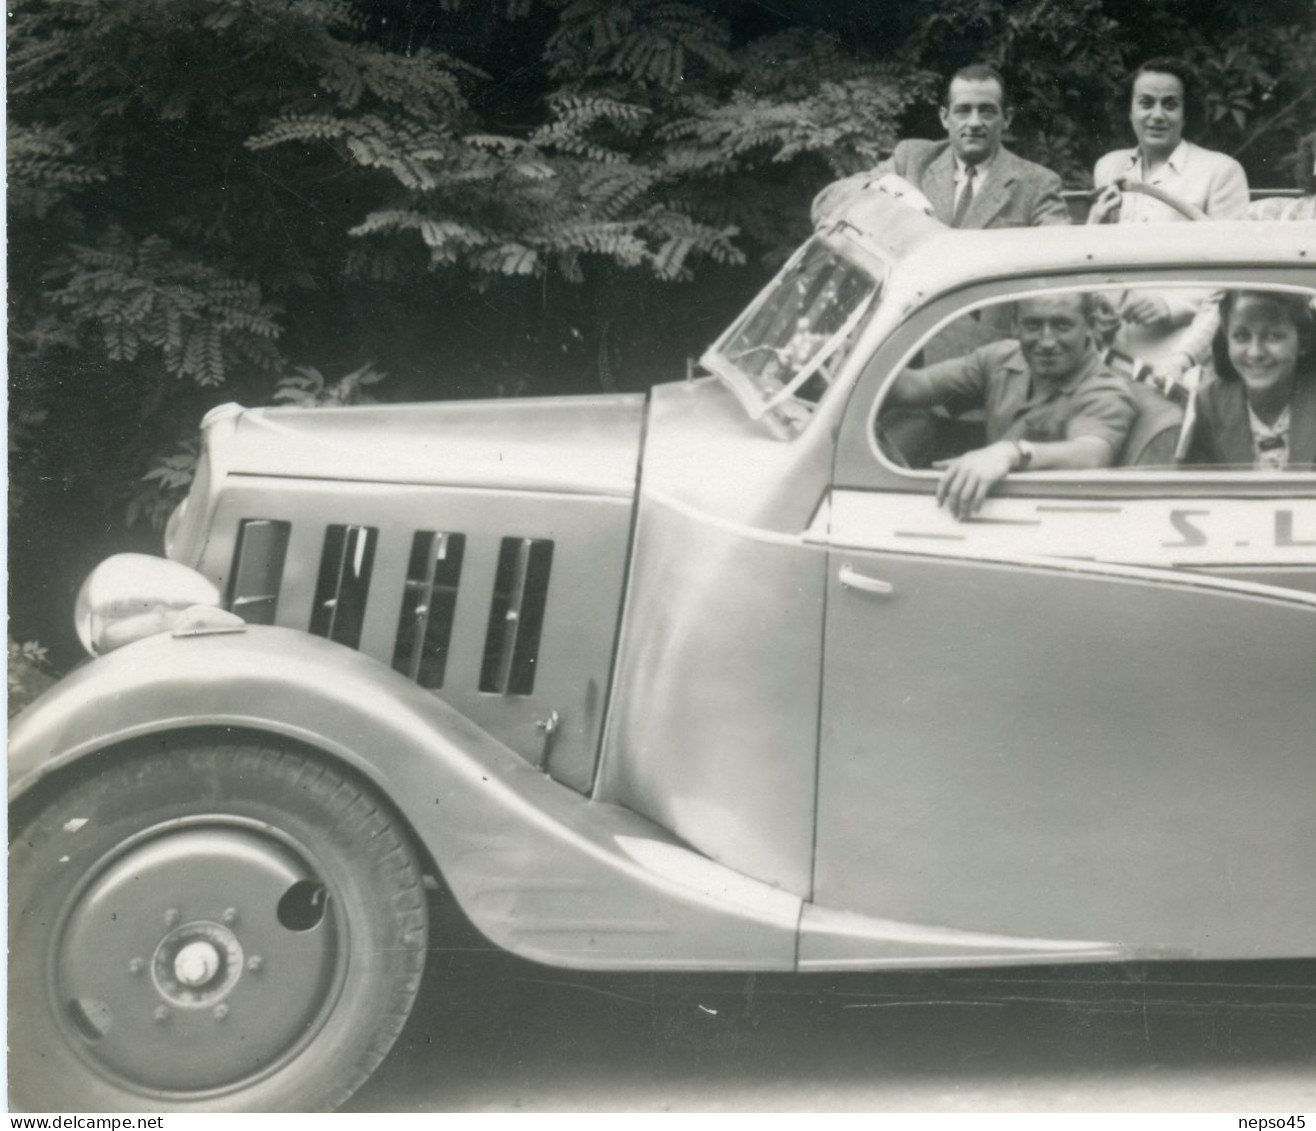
[1105,209]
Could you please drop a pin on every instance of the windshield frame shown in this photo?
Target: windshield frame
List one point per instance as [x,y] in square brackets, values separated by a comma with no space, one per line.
[785,413]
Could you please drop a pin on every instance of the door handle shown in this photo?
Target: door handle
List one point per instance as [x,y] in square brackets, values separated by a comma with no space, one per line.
[850,578]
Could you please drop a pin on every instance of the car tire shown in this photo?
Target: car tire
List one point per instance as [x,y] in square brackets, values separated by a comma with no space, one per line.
[209,926]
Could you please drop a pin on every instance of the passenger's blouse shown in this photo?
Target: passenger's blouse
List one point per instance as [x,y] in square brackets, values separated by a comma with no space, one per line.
[1222,432]
[1216,184]
[1212,181]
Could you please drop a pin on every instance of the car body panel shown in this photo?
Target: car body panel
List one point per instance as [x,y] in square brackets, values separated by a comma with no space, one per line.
[845,940]
[704,736]
[1104,782]
[578,444]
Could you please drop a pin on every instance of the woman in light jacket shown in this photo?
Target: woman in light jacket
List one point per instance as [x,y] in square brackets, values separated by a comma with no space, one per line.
[1162,99]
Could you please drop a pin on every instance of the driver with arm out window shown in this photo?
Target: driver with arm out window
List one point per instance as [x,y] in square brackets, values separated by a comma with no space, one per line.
[1050,404]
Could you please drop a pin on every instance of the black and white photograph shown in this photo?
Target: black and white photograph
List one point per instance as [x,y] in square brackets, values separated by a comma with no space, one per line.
[677,556]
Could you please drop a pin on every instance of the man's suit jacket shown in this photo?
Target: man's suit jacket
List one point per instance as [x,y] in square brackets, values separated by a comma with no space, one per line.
[1018,193]
[1222,435]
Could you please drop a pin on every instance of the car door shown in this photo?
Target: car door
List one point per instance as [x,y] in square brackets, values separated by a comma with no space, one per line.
[1080,724]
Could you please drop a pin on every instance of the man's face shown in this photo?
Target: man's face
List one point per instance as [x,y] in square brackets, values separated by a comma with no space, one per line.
[975,119]
[1054,336]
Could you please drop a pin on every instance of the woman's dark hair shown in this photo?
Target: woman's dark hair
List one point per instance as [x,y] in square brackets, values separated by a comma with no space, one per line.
[1298,309]
[1193,101]
[1303,175]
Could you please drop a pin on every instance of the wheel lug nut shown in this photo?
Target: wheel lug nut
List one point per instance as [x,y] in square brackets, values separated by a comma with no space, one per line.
[230,915]
[161,1013]
[136,965]
[255,962]
[221,1011]
[171,917]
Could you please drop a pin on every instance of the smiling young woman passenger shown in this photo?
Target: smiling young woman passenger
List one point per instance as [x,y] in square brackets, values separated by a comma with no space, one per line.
[1260,409]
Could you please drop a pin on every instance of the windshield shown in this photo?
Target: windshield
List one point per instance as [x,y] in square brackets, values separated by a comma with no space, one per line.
[786,349]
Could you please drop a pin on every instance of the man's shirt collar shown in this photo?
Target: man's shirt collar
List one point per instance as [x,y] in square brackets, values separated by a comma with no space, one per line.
[1176,162]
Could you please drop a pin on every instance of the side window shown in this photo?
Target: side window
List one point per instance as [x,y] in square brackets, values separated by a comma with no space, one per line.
[1165,375]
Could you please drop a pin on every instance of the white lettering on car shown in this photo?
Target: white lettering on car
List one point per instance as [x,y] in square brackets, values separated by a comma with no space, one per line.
[1155,533]
[1192,536]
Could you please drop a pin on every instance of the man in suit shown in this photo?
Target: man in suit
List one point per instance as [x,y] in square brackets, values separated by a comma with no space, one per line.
[970,179]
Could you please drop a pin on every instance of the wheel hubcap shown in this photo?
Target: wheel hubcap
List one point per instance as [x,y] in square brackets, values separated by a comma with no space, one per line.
[197,964]
[179,967]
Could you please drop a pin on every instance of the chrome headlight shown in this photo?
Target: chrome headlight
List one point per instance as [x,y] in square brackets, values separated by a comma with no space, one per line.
[132,596]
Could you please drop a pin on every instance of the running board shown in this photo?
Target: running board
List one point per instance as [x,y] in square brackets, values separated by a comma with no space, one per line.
[841,940]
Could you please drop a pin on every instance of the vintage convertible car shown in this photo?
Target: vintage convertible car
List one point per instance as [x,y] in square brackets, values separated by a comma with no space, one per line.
[698,680]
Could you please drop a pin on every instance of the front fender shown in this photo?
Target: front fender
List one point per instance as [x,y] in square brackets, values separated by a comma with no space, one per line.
[542,871]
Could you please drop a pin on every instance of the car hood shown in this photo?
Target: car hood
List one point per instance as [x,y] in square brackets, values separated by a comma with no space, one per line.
[566,444]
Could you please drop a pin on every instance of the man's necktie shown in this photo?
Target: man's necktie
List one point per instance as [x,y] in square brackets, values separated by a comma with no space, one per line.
[966,196]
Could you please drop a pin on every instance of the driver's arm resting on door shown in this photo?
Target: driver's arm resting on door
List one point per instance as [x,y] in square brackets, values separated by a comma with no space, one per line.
[967,479]
[1077,422]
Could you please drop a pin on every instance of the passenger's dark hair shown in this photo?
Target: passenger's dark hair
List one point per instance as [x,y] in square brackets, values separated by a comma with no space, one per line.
[1296,306]
[1168,65]
[1303,176]
[978,72]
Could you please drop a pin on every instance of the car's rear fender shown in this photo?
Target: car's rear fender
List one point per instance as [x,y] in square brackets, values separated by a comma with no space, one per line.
[542,871]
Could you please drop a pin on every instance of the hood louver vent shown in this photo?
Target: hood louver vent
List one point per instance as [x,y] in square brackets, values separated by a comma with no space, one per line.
[516,616]
[344,583]
[429,606]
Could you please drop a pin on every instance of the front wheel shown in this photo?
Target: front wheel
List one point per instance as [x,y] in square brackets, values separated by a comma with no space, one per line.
[209,927]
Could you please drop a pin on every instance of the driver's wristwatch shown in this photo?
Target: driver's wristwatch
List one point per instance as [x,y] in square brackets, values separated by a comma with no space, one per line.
[1025,450]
